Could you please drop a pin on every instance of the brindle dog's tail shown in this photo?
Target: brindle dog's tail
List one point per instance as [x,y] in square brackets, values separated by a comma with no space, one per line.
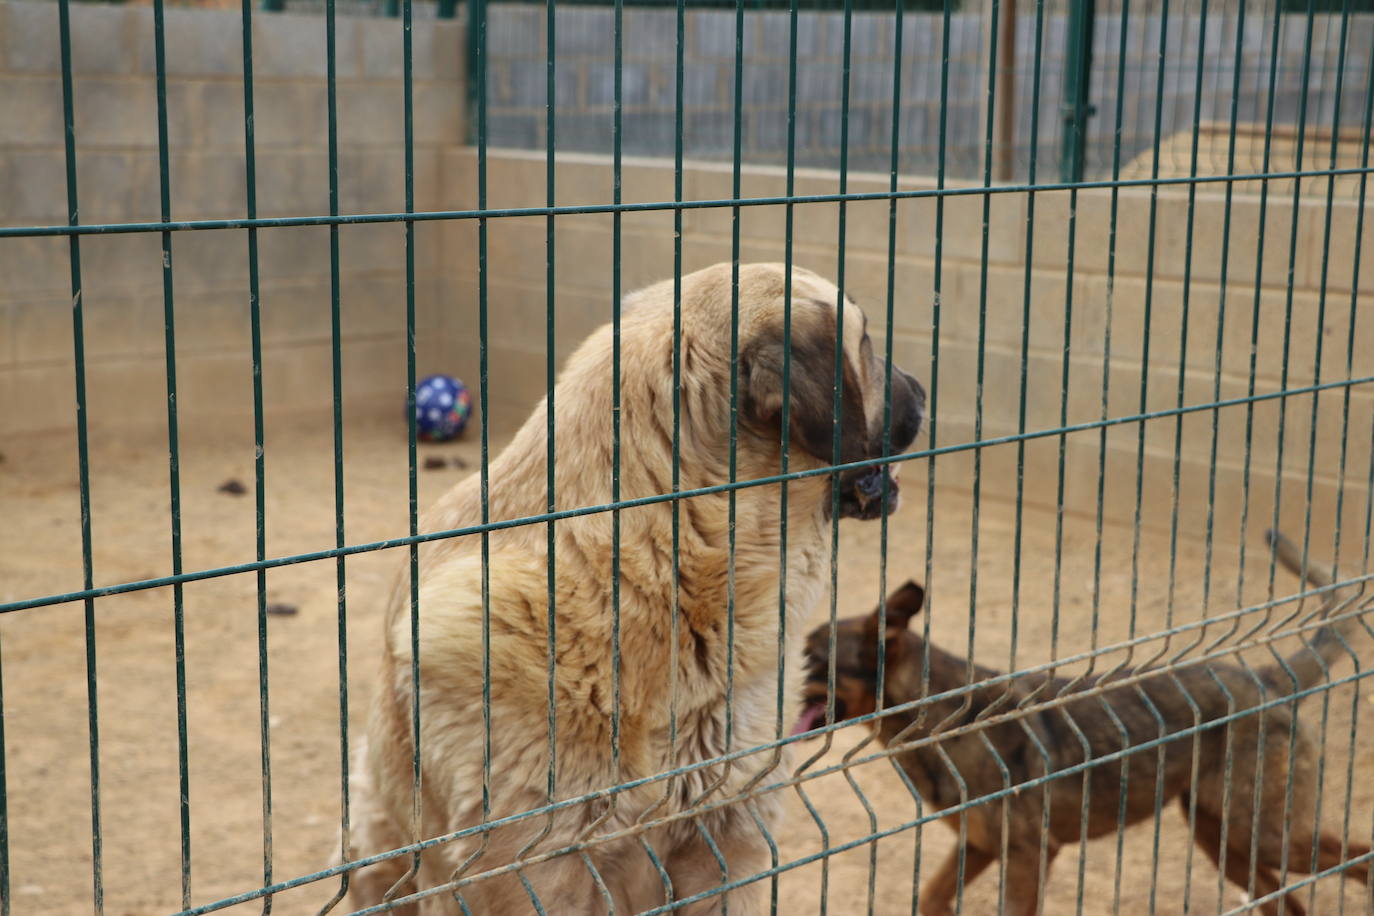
[1310,663]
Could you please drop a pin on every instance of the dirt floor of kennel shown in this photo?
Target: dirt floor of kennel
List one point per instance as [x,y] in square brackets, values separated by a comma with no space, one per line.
[45,695]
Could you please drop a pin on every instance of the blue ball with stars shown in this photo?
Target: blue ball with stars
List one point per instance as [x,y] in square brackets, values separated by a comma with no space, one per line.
[442,406]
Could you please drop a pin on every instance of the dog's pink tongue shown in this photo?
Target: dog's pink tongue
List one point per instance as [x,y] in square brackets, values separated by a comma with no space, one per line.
[813,716]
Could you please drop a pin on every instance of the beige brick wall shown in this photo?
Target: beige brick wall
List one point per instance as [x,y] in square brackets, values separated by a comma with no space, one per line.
[1107,309]
[117,176]
[980,315]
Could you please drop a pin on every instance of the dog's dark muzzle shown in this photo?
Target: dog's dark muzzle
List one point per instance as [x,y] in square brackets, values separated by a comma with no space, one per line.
[872,492]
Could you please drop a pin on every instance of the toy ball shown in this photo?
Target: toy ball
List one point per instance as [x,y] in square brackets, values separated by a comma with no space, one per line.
[442,406]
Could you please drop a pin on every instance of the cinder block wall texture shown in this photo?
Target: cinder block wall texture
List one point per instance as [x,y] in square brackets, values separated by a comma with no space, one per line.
[1201,308]
[118,181]
[1165,309]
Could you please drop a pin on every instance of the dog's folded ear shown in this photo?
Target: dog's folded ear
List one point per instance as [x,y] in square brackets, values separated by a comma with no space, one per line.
[904,604]
[811,382]
[901,606]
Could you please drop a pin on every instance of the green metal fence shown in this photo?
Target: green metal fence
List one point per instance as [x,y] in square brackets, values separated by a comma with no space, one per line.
[1182,643]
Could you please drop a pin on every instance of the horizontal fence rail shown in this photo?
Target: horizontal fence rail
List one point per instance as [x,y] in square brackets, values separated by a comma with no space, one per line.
[516,212]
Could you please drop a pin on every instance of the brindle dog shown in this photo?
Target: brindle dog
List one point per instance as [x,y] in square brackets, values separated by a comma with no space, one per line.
[1049,740]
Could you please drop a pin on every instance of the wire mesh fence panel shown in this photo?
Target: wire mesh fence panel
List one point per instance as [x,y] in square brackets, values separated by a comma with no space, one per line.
[885,414]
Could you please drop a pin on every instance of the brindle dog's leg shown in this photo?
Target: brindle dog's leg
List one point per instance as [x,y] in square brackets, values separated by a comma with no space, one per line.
[937,894]
[1023,876]
[1207,835]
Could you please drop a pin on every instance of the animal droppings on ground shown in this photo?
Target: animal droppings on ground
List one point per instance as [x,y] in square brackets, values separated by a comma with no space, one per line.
[280,609]
[233,486]
[439,462]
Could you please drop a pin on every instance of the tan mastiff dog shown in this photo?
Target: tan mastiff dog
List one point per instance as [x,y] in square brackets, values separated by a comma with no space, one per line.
[621,872]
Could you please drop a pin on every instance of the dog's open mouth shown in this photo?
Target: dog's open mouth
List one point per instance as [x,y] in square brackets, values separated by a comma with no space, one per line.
[812,717]
[861,492]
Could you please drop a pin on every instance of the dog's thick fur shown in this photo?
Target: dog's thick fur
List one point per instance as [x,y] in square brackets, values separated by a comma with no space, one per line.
[1048,740]
[450,602]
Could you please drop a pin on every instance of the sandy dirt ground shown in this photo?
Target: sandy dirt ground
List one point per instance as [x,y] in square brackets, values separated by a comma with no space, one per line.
[47,726]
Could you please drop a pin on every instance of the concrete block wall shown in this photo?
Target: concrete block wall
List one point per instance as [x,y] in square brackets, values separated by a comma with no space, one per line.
[1168,311]
[1120,309]
[118,181]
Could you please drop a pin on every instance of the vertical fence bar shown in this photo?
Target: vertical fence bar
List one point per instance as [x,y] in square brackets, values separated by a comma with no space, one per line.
[83,465]
[674,625]
[1210,532]
[1349,372]
[1031,175]
[1260,758]
[412,484]
[476,63]
[1112,241]
[975,518]
[1175,490]
[890,296]
[617,142]
[1345,426]
[1279,436]
[869,811]
[550,369]
[477,95]
[477,45]
[837,395]
[336,392]
[933,408]
[1146,331]
[679,110]
[550,428]
[173,445]
[1066,372]
[259,461]
[1258,283]
[785,419]
[1312,864]
[1077,89]
[733,445]
[477,74]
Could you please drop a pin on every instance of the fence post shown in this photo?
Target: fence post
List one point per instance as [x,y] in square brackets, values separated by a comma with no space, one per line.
[447,8]
[1077,73]
[476,63]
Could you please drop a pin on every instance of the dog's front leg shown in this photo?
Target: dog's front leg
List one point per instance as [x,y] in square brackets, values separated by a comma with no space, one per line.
[694,869]
[1023,876]
[937,894]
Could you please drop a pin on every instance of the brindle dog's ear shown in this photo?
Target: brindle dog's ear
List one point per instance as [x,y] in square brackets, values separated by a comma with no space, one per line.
[902,605]
[812,389]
